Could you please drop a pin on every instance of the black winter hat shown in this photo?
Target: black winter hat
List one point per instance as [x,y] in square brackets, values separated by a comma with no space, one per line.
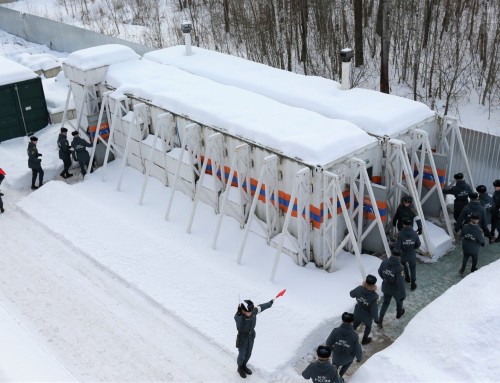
[481,189]
[33,138]
[64,130]
[371,279]
[247,305]
[75,133]
[473,196]
[407,198]
[496,183]
[347,317]
[324,352]
[458,176]
[474,216]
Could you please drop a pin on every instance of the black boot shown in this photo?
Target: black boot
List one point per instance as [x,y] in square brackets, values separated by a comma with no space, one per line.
[246,369]
[69,175]
[242,372]
[379,323]
[473,269]
[366,340]
[63,175]
[33,187]
[461,271]
[400,313]
[413,286]
[407,278]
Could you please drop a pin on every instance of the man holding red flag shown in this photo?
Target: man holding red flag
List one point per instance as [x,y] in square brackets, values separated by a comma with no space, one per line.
[246,320]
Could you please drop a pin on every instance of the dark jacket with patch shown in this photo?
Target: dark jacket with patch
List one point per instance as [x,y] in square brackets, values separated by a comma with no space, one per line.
[344,342]
[33,161]
[487,202]
[473,207]
[473,238]
[391,272]
[405,212]
[246,325]
[366,308]
[79,144]
[321,372]
[408,241]
[460,190]
[64,148]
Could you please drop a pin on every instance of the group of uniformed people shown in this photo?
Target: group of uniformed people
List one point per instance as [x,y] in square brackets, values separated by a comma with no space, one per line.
[77,150]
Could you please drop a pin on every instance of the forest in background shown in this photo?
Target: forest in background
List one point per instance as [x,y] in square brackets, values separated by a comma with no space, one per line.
[434,51]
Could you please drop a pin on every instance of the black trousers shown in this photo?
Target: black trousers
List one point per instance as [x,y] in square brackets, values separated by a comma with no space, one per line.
[37,173]
[67,165]
[465,260]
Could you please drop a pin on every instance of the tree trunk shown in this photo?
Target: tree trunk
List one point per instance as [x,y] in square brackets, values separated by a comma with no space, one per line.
[358,33]
[384,54]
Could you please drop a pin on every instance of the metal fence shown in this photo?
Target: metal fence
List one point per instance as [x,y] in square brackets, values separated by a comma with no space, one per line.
[483,153]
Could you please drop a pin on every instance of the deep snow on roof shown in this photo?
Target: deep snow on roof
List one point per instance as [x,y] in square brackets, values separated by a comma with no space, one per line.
[99,56]
[377,113]
[12,72]
[296,133]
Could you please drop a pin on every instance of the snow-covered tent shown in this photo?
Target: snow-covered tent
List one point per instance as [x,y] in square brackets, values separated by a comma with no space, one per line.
[23,110]
[238,145]
[409,130]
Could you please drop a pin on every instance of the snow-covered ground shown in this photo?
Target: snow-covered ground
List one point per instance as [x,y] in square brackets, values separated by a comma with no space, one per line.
[100,288]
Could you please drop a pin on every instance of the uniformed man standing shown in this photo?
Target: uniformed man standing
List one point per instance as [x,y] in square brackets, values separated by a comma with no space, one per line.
[393,285]
[472,239]
[322,370]
[461,191]
[246,319]
[366,309]
[486,201]
[407,242]
[81,154]
[344,342]
[474,207]
[64,153]
[35,163]
[495,211]
[405,211]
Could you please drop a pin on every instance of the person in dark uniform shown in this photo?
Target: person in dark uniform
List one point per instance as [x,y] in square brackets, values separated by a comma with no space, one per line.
[393,285]
[246,319]
[344,343]
[405,211]
[474,206]
[486,201]
[407,242]
[81,155]
[2,176]
[495,211]
[366,309]
[461,191]
[472,239]
[64,152]
[35,163]
[322,370]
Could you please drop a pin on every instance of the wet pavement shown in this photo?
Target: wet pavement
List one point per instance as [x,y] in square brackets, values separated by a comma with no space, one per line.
[433,279]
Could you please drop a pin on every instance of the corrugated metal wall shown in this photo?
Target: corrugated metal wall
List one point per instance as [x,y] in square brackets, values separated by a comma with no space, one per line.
[483,152]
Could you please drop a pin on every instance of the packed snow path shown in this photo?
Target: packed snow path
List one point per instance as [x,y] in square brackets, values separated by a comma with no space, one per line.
[99,328]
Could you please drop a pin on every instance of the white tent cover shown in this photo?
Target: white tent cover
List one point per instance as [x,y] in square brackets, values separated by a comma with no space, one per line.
[293,132]
[377,113]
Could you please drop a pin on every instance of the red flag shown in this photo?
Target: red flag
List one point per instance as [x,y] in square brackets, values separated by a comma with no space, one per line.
[281,293]
[2,172]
